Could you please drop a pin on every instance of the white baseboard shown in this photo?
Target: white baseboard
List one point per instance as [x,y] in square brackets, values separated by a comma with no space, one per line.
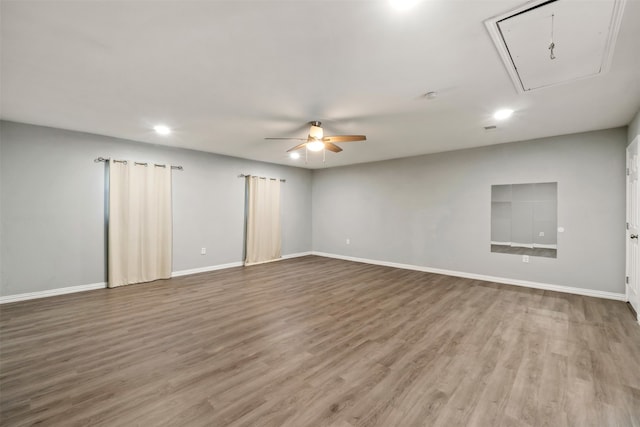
[516,282]
[230,265]
[206,269]
[503,280]
[297,255]
[81,288]
[51,292]
[289,256]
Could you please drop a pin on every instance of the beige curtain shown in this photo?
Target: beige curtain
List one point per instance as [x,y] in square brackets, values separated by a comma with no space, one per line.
[263,220]
[140,233]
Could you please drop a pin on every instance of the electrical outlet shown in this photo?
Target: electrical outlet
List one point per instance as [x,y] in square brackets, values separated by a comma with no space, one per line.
[525,258]
[348,241]
[203,251]
[541,234]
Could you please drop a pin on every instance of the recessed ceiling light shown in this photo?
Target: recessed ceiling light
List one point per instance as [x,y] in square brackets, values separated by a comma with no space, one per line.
[294,155]
[403,4]
[162,129]
[502,114]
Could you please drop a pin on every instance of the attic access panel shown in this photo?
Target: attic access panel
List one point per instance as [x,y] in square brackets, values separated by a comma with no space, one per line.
[584,35]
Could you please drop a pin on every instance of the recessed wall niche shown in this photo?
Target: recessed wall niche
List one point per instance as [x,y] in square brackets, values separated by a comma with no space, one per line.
[524,219]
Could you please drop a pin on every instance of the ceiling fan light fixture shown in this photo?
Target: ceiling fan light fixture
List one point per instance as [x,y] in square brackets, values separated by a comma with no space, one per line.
[315,145]
[316,132]
[316,141]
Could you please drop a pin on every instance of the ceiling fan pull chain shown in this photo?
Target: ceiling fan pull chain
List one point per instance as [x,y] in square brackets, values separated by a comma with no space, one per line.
[552,45]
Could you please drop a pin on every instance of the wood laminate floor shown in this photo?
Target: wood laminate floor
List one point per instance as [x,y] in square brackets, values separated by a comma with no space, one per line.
[319,342]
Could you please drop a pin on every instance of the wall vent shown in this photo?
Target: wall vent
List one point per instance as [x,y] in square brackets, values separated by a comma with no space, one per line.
[583,34]
[492,127]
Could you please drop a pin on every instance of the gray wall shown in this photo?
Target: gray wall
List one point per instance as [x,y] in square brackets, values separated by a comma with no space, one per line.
[634,128]
[431,211]
[52,206]
[434,211]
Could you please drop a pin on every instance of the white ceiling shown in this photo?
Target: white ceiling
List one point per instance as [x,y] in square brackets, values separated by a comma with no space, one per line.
[226,74]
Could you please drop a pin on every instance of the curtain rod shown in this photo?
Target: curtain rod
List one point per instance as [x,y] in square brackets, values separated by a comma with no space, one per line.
[106,159]
[242,175]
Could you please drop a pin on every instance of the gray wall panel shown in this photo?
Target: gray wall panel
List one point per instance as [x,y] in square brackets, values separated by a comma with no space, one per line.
[52,205]
[431,211]
[435,210]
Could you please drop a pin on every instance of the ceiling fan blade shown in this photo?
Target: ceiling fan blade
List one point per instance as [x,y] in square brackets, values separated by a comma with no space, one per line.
[297,147]
[344,138]
[296,139]
[332,147]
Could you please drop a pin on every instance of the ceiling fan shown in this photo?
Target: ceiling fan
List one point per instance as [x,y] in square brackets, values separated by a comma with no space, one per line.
[316,140]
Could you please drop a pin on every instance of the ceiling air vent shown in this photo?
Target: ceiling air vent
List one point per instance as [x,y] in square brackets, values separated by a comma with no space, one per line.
[546,43]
